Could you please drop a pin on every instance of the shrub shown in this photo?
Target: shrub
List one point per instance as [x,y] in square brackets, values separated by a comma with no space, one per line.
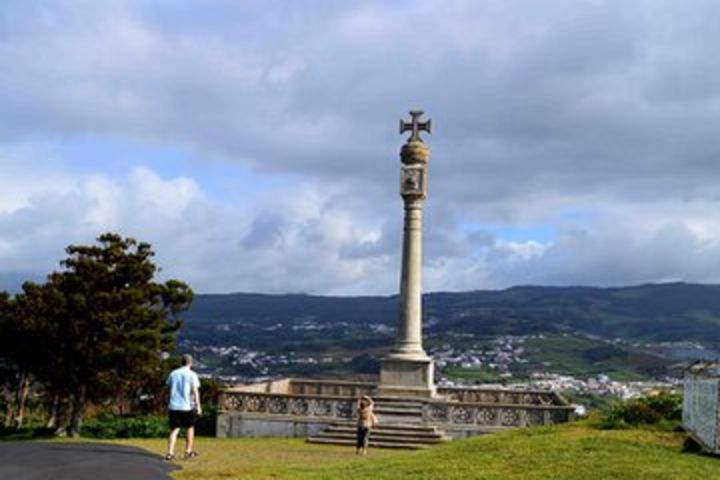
[205,424]
[111,426]
[25,433]
[662,411]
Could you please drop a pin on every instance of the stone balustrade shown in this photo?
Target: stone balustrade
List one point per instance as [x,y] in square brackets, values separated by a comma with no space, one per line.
[512,397]
[494,415]
[461,407]
[283,404]
[331,387]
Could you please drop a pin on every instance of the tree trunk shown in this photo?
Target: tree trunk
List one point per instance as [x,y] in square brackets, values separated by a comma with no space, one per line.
[9,410]
[22,394]
[54,409]
[78,411]
[59,414]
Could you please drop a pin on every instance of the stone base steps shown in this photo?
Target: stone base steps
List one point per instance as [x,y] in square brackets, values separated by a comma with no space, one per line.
[390,410]
[383,436]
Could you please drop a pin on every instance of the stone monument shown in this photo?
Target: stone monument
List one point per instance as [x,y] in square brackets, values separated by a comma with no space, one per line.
[413,412]
[408,370]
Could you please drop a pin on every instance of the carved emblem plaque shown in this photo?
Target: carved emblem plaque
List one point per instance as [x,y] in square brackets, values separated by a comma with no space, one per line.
[412,181]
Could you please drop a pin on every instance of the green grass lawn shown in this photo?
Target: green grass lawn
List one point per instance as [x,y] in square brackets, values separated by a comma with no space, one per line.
[575,451]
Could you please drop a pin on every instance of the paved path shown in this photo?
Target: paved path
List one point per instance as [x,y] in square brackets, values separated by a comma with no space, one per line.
[79,461]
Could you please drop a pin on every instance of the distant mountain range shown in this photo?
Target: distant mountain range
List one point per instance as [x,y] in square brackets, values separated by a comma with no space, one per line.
[655,312]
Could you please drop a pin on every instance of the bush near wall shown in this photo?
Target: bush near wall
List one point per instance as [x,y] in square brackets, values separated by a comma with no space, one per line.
[113,426]
[662,411]
[110,426]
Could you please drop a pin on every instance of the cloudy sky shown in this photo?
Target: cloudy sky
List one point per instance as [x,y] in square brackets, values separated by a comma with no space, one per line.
[255,143]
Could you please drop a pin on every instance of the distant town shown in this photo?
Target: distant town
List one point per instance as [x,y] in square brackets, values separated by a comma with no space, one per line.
[506,361]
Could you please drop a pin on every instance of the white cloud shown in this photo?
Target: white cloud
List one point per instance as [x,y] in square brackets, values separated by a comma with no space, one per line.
[305,242]
[22,177]
[103,199]
[154,197]
[212,246]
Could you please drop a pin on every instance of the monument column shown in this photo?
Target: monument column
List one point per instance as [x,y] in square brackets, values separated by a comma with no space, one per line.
[408,370]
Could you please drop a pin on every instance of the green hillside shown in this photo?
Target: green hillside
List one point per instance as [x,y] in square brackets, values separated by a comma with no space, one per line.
[662,312]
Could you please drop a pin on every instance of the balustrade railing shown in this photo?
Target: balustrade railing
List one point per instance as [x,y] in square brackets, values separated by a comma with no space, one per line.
[334,400]
[287,404]
[331,387]
[513,397]
[495,415]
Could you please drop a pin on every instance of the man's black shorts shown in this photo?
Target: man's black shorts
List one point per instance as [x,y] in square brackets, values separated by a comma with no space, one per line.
[181,419]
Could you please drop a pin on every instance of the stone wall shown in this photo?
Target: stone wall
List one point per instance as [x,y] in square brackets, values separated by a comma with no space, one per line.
[233,424]
[701,404]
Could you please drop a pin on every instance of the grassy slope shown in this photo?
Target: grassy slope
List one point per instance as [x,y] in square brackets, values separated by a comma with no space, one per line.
[569,355]
[567,452]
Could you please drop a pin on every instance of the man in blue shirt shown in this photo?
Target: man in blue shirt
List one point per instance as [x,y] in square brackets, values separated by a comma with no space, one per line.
[184,404]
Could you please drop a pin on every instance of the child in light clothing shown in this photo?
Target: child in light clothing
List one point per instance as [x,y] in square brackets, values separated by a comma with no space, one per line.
[366,420]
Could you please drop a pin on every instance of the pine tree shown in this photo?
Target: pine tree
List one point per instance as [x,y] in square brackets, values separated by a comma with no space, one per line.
[108,321]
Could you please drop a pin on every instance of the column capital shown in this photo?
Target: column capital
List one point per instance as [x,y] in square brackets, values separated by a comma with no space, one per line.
[414,153]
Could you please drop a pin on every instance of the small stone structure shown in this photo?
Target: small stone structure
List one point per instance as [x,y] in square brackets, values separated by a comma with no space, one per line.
[701,404]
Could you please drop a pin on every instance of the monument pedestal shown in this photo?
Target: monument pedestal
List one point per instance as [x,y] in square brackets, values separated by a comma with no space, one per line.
[407,377]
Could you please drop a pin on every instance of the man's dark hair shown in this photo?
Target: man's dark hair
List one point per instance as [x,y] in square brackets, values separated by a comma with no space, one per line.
[186,360]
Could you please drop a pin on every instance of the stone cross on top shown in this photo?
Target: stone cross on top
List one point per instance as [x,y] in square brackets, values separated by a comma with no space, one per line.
[415,126]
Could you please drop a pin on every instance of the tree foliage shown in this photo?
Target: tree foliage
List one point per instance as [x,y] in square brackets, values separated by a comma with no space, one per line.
[98,328]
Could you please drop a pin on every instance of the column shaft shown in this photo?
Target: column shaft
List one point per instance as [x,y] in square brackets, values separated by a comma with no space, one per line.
[409,337]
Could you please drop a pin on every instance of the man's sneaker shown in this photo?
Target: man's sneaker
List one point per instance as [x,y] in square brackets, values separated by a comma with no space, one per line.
[189,455]
[169,457]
